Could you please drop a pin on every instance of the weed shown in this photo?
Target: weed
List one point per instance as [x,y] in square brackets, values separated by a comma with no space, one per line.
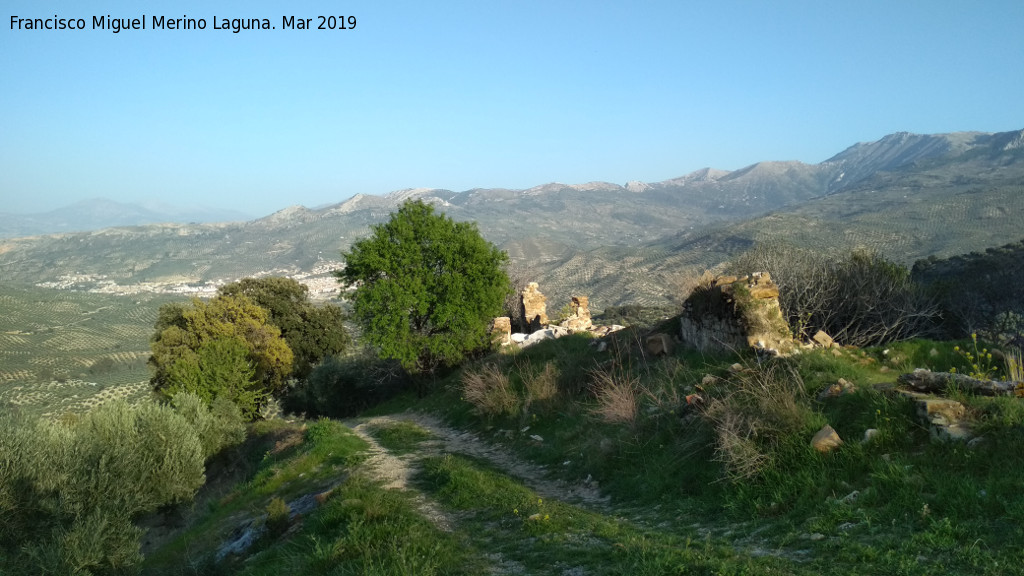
[980,362]
[278,517]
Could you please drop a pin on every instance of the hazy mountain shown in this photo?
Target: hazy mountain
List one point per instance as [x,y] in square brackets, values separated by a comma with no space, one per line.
[907,195]
[99,213]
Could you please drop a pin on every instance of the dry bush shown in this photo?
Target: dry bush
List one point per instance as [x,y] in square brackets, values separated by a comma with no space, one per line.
[540,386]
[857,297]
[616,396]
[764,406]
[489,391]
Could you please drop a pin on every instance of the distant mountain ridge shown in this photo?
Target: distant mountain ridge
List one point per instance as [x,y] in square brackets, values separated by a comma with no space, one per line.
[910,196]
[99,213]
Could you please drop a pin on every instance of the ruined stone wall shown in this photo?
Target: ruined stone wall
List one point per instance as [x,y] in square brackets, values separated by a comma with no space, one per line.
[534,308]
[733,314]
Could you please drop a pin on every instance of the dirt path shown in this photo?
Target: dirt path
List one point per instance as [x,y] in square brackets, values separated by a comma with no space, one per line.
[396,471]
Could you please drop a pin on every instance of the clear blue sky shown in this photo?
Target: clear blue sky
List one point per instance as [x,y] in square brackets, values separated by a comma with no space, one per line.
[457,95]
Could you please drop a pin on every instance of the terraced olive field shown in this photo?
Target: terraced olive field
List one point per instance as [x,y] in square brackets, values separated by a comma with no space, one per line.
[63,351]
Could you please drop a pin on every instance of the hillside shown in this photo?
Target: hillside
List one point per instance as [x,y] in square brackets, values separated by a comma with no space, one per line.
[910,196]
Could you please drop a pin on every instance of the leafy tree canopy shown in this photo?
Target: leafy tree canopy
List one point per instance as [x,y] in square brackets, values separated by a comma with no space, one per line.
[312,332]
[224,347]
[426,287]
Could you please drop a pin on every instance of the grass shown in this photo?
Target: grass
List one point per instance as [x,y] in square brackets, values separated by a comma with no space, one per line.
[551,537]
[880,505]
[400,437]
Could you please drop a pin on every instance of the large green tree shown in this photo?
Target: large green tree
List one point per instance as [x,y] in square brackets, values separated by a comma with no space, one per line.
[312,332]
[224,347]
[426,287]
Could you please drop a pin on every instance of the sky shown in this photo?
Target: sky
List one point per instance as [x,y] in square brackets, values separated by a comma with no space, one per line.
[477,94]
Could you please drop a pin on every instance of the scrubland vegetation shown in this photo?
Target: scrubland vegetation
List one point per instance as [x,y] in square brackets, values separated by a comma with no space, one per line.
[563,457]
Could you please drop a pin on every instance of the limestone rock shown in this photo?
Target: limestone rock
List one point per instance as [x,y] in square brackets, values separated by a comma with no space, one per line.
[659,345]
[826,440]
[824,340]
[580,318]
[946,419]
[534,307]
[501,330]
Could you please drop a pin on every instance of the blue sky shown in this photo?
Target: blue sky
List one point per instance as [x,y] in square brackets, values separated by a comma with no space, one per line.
[457,95]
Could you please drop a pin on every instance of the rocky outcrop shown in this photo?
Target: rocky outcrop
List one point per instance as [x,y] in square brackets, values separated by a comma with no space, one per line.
[736,313]
[580,318]
[534,308]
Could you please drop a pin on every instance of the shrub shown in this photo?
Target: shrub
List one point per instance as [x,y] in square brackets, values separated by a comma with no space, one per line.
[219,424]
[340,387]
[68,491]
[226,346]
[490,392]
[312,332]
[132,459]
[858,298]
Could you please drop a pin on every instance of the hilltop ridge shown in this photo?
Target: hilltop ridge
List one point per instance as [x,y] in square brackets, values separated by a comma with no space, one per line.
[910,196]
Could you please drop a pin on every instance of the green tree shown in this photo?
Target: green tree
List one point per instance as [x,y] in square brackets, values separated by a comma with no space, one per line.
[312,332]
[426,287]
[226,346]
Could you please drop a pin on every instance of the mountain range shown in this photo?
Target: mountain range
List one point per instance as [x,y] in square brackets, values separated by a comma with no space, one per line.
[909,196]
[98,213]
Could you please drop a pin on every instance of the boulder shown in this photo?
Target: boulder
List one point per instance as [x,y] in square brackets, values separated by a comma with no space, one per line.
[824,340]
[826,440]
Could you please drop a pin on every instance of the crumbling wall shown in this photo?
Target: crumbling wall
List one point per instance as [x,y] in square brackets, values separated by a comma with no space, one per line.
[735,313]
[534,308]
[580,318]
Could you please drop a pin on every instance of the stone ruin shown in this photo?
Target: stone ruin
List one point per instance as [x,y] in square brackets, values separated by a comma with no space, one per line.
[736,313]
[534,308]
[535,319]
[580,318]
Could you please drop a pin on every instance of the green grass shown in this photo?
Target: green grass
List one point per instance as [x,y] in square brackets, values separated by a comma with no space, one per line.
[957,507]
[400,437]
[549,537]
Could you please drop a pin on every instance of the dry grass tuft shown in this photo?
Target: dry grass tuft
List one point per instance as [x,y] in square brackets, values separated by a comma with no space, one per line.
[489,391]
[1014,367]
[616,396]
[542,386]
[761,409]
